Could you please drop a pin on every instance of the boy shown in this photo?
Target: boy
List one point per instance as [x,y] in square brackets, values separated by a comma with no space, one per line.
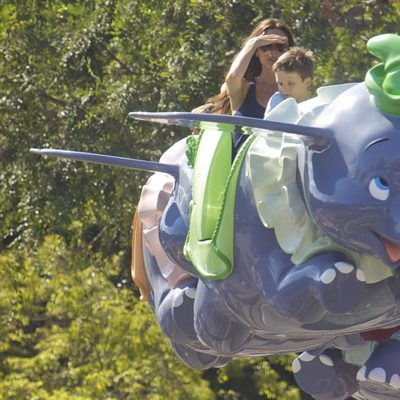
[294,71]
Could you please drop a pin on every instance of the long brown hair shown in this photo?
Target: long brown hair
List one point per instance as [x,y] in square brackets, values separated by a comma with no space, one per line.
[218,104]
[254,68]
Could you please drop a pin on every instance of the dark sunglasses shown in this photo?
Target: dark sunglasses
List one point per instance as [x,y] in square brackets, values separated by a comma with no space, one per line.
[281,48]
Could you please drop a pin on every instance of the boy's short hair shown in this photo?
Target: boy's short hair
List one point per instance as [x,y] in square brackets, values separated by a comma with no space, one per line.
[296,59]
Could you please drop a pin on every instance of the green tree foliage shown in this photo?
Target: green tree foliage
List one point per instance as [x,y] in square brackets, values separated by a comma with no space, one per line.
[70,71]
[68,332]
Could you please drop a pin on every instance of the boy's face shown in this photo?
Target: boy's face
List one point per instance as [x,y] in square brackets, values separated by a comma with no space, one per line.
[290,84]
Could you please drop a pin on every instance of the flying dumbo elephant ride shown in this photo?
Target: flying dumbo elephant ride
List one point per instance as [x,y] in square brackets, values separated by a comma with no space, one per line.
[289,245]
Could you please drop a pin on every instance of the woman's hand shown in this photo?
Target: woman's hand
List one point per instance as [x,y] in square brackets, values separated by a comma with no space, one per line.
[264,40]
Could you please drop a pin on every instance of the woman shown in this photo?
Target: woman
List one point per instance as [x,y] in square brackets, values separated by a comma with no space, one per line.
[251,81]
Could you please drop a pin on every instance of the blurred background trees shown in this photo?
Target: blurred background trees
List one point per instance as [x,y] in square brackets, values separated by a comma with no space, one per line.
[70,71]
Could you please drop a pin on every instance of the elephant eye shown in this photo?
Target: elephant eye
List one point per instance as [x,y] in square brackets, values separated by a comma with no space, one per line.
[379,188]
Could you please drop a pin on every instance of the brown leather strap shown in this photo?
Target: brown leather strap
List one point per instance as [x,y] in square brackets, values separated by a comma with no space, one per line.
[137,266]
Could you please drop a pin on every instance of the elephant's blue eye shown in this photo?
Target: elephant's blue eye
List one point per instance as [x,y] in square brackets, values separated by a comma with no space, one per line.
[379,188]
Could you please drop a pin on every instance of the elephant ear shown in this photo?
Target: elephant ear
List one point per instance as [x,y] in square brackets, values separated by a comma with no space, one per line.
[383,80]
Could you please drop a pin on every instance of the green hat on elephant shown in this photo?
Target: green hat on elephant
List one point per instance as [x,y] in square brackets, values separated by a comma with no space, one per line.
[383,80]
